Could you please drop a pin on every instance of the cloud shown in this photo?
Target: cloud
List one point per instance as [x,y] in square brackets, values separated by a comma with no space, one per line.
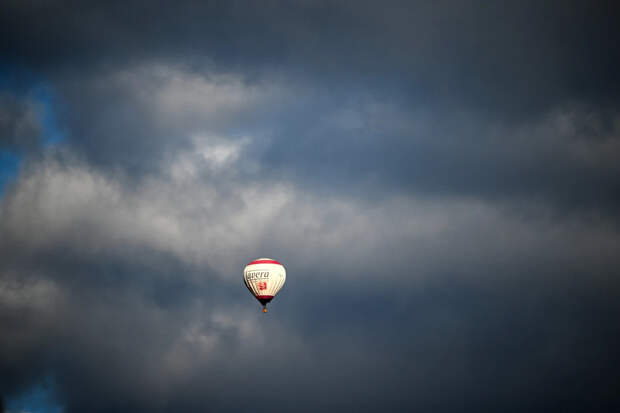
[440,181]
[181,212]
[136,289]
[144,115]
[490,56]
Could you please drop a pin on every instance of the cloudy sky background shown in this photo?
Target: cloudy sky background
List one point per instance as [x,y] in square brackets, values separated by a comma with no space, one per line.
[440,179]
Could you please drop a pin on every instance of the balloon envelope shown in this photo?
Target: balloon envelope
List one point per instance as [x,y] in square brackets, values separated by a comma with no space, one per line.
[264,277]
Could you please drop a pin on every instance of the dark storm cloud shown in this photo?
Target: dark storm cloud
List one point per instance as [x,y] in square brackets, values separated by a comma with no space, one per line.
[478,73]
[565,157]
[379,312]
[406,162]
[518,55]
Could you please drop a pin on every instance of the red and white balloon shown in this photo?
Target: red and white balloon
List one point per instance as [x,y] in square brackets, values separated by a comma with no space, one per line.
[264,277]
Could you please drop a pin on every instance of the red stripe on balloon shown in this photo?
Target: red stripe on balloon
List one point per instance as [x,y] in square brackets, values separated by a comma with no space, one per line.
[264,297]
[265,262]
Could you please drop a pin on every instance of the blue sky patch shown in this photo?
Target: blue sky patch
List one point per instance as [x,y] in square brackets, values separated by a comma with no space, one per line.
[38,399]
[52,134]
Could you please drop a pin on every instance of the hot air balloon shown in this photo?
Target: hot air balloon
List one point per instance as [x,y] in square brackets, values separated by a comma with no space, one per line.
[264,277]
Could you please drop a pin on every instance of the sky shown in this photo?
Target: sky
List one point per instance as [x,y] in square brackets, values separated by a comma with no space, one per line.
[441,180]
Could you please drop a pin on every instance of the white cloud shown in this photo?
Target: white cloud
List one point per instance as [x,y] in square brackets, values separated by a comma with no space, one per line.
[222,226]
[18,293]
[190,101]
